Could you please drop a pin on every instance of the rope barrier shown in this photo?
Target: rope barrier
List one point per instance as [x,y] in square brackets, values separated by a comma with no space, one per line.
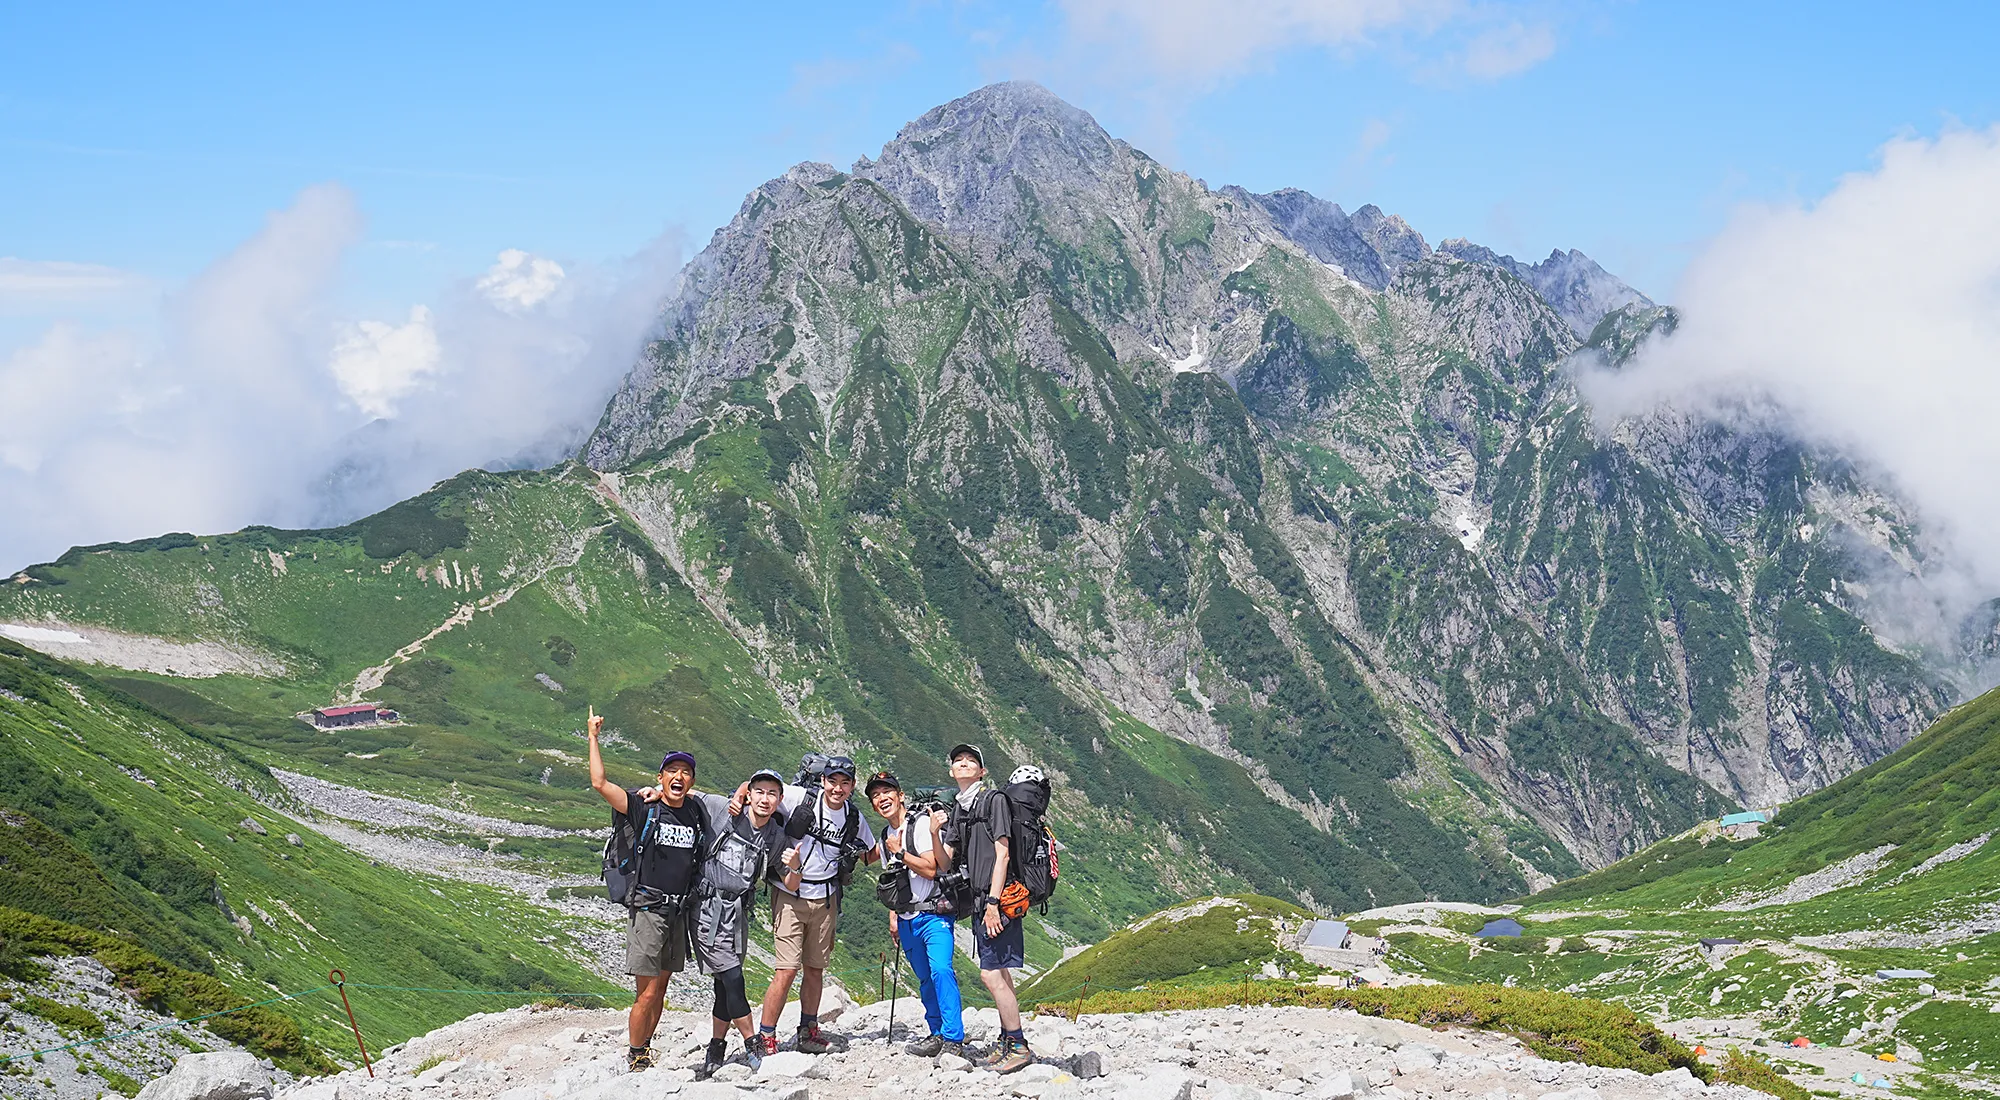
[477,992]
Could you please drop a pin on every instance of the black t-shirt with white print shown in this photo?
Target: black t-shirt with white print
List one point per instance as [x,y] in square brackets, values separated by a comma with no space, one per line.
[671,860]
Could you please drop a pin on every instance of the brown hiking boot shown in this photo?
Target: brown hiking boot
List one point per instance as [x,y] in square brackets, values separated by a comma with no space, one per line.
[638,1059]
[1014,1056]
[810,1041]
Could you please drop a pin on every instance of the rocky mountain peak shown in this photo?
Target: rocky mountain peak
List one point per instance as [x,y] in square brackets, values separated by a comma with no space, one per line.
[958,163]
[1581,291]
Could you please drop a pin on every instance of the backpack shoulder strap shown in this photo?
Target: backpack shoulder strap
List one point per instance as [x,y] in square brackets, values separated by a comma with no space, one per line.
[801,821]
[645,833]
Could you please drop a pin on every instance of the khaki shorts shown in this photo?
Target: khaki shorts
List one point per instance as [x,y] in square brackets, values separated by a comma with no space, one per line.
[656,942]
[803,930]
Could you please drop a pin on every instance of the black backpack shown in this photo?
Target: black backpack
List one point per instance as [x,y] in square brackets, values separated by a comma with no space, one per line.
[1031,849]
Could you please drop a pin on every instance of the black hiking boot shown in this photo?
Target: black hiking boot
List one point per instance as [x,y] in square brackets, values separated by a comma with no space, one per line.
[753,1051]
[718,1053]
[638,1059]
[810,1041]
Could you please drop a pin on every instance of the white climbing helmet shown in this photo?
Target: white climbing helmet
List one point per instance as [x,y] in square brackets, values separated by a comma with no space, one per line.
[1027,773]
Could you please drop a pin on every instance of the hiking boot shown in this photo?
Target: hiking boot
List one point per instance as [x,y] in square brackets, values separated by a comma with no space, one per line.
[810,1041]
[718,1053]
[764,1043]
[1014,1057]
[927,1047]
[955,1048]
[638,1059]
[753,1050]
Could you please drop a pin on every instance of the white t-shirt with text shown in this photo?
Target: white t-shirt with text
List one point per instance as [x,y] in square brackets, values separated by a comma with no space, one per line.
[817,860]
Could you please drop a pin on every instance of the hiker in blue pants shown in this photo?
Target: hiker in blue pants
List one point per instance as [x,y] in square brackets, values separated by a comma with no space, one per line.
[921,914]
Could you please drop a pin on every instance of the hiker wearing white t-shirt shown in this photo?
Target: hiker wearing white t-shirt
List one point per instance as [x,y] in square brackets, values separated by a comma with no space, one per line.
[829,837]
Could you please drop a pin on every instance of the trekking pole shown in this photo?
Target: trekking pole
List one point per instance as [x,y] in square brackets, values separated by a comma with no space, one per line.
[339,981]
[1076,1014]
[895,977]
[881,973]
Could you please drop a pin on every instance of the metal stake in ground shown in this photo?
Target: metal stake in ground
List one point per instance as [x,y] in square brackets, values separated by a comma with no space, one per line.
[339,981]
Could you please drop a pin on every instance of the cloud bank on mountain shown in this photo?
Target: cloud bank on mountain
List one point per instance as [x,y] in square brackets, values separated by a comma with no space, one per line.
[1870,320]
[255,403]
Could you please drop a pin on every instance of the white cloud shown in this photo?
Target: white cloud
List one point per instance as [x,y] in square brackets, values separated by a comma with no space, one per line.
[1871,319]
[520,281]
[376,363]
[250,405]
[1201,43]
[1504,51]
[58,279]
[33,288]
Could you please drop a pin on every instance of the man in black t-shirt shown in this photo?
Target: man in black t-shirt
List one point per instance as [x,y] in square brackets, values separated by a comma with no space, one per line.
[982,825]
[656,939]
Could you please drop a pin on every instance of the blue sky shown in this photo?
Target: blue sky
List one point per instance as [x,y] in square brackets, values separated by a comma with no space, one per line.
[266,226]
[153,140]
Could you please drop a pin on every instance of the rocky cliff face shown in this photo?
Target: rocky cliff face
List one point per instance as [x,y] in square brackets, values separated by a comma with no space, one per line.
[1013,434]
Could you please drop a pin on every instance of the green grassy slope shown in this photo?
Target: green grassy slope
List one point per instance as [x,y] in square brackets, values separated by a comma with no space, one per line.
[1920,890]
[128,822]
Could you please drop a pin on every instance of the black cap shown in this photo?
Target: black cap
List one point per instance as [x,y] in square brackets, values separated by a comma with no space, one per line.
[960,750]
[840,765]
[882,779]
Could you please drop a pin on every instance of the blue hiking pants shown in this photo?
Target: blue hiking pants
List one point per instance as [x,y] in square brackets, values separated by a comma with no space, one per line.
[926,939]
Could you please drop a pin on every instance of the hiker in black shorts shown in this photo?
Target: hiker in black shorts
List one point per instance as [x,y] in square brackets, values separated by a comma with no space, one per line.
[982,827]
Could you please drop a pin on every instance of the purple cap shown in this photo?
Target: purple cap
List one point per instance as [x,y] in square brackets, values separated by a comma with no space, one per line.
[686,757]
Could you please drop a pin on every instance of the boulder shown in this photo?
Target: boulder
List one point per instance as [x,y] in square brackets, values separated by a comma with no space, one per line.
[786,1064]
[218,1075]
[293,840]
[1089,1064]
[1417,1058]
[1338,1085]
[1160,1083]
[249,824]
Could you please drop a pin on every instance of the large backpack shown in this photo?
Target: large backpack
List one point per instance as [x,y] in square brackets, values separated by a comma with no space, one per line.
[1031,849]
[625,850]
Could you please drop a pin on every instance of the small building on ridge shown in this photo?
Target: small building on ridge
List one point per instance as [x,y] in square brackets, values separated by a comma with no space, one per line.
[353,714]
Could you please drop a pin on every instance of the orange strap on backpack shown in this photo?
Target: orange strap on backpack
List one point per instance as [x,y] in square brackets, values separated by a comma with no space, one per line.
[1013,901]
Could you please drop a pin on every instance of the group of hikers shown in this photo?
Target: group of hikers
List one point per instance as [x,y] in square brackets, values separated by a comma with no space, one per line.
[687,865]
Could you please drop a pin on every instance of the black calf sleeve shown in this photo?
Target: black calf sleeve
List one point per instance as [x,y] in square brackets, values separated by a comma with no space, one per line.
[732,1002]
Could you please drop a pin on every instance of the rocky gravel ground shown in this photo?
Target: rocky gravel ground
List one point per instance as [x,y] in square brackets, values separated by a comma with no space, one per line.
[382,811]
[1222,1054]
[89,1072]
